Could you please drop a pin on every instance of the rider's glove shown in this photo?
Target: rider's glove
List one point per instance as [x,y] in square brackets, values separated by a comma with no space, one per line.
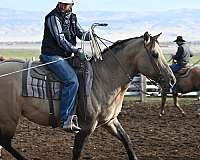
[81,54]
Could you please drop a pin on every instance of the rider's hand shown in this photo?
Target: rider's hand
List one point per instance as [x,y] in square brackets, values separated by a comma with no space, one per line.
[81,54]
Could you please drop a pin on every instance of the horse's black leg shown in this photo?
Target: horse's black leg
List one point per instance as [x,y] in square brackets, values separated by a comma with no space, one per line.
[6,144]
[163,101]
[116,130]
[80,139]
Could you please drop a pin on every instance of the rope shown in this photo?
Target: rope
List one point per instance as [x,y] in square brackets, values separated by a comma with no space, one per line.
[95,47]
[26,69]
[196,63]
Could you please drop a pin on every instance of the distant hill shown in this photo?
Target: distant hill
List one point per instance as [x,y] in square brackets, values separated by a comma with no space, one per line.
[28,26]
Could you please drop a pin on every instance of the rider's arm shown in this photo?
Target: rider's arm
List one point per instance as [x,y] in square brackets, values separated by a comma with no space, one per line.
[80,32]
[179,53]
[55,28]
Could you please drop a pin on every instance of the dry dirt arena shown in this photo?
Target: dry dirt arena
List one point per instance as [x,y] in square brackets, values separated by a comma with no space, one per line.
[171,137]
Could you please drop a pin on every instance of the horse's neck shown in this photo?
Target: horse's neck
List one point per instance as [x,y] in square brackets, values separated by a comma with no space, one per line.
[111,75]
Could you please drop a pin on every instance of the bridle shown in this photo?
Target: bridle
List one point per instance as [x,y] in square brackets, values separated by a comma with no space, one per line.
[159,78]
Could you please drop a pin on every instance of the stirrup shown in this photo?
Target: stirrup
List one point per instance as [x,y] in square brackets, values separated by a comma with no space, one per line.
[71,125]
[74,123]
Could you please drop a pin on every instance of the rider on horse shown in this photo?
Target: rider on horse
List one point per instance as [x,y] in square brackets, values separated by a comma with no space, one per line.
[182,56]
[59,42]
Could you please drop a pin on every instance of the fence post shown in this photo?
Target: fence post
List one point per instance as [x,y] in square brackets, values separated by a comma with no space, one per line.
[143,88]
[33,58]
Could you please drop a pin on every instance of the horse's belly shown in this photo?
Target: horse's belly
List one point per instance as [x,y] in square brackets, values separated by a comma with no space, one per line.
[37,110]
[109,114]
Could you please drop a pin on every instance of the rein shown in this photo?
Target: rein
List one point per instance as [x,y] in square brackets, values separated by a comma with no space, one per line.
[125,72]
[113,55]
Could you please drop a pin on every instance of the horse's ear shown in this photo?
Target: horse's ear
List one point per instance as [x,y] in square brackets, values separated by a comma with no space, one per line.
[156,37]
[146,38]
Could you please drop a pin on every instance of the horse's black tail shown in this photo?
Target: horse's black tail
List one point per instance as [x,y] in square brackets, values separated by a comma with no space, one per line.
[6,144]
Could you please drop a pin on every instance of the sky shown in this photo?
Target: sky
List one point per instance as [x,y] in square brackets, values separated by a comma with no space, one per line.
[106,5]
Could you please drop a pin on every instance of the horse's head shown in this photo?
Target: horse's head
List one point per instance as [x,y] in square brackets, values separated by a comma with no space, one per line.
[151,62]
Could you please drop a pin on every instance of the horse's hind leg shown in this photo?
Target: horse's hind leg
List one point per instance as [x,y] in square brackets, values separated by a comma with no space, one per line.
[116,130]
[6,144]
[176,104]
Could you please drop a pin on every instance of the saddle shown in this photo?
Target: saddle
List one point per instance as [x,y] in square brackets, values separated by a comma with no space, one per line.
[35,80]
[184,70]
[42,72]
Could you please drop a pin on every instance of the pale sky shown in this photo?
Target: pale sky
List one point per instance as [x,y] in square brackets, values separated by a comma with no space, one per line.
[106,5]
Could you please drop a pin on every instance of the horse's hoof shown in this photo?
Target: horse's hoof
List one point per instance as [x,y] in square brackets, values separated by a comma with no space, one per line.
[183,114]
[160,115]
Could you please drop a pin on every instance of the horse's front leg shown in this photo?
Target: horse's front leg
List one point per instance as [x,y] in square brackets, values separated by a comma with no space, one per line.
[80,140]
[176,104]
[163,101]
[115,128]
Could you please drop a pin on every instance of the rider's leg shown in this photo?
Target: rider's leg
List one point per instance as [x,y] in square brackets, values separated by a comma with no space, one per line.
[175,67]
[66,74]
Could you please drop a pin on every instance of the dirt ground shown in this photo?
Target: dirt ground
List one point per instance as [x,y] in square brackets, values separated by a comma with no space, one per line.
[171,137]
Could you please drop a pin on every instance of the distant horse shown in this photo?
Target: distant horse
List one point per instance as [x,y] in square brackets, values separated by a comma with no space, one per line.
[188,82]
[122,60]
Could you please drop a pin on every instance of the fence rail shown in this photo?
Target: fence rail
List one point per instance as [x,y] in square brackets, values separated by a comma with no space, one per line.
[140,82]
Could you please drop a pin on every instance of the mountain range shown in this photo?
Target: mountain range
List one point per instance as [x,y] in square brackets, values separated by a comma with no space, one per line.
[28,26]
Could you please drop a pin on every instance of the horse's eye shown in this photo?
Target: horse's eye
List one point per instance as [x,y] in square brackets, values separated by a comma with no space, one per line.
[155,55]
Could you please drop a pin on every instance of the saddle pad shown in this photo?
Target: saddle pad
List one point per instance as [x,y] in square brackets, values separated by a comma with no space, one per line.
[34,82]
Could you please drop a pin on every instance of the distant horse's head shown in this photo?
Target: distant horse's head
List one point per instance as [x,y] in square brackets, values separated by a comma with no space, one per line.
[151,62]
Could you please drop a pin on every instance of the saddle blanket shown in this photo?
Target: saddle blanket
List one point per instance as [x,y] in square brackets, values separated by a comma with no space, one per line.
[34,82]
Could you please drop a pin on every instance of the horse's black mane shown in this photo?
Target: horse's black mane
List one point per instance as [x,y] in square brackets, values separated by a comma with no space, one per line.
[119,42]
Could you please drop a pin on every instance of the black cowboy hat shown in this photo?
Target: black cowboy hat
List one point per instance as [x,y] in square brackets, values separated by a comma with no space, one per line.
[179,39]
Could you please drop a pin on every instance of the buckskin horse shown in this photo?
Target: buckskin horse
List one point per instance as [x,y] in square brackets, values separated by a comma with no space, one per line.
[122,60]
[188,82]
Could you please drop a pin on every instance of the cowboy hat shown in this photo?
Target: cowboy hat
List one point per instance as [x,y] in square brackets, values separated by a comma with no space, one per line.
[179,39]
[66,1]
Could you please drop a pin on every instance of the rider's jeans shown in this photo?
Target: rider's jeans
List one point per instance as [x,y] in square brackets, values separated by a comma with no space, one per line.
[175,67]
[66,74]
